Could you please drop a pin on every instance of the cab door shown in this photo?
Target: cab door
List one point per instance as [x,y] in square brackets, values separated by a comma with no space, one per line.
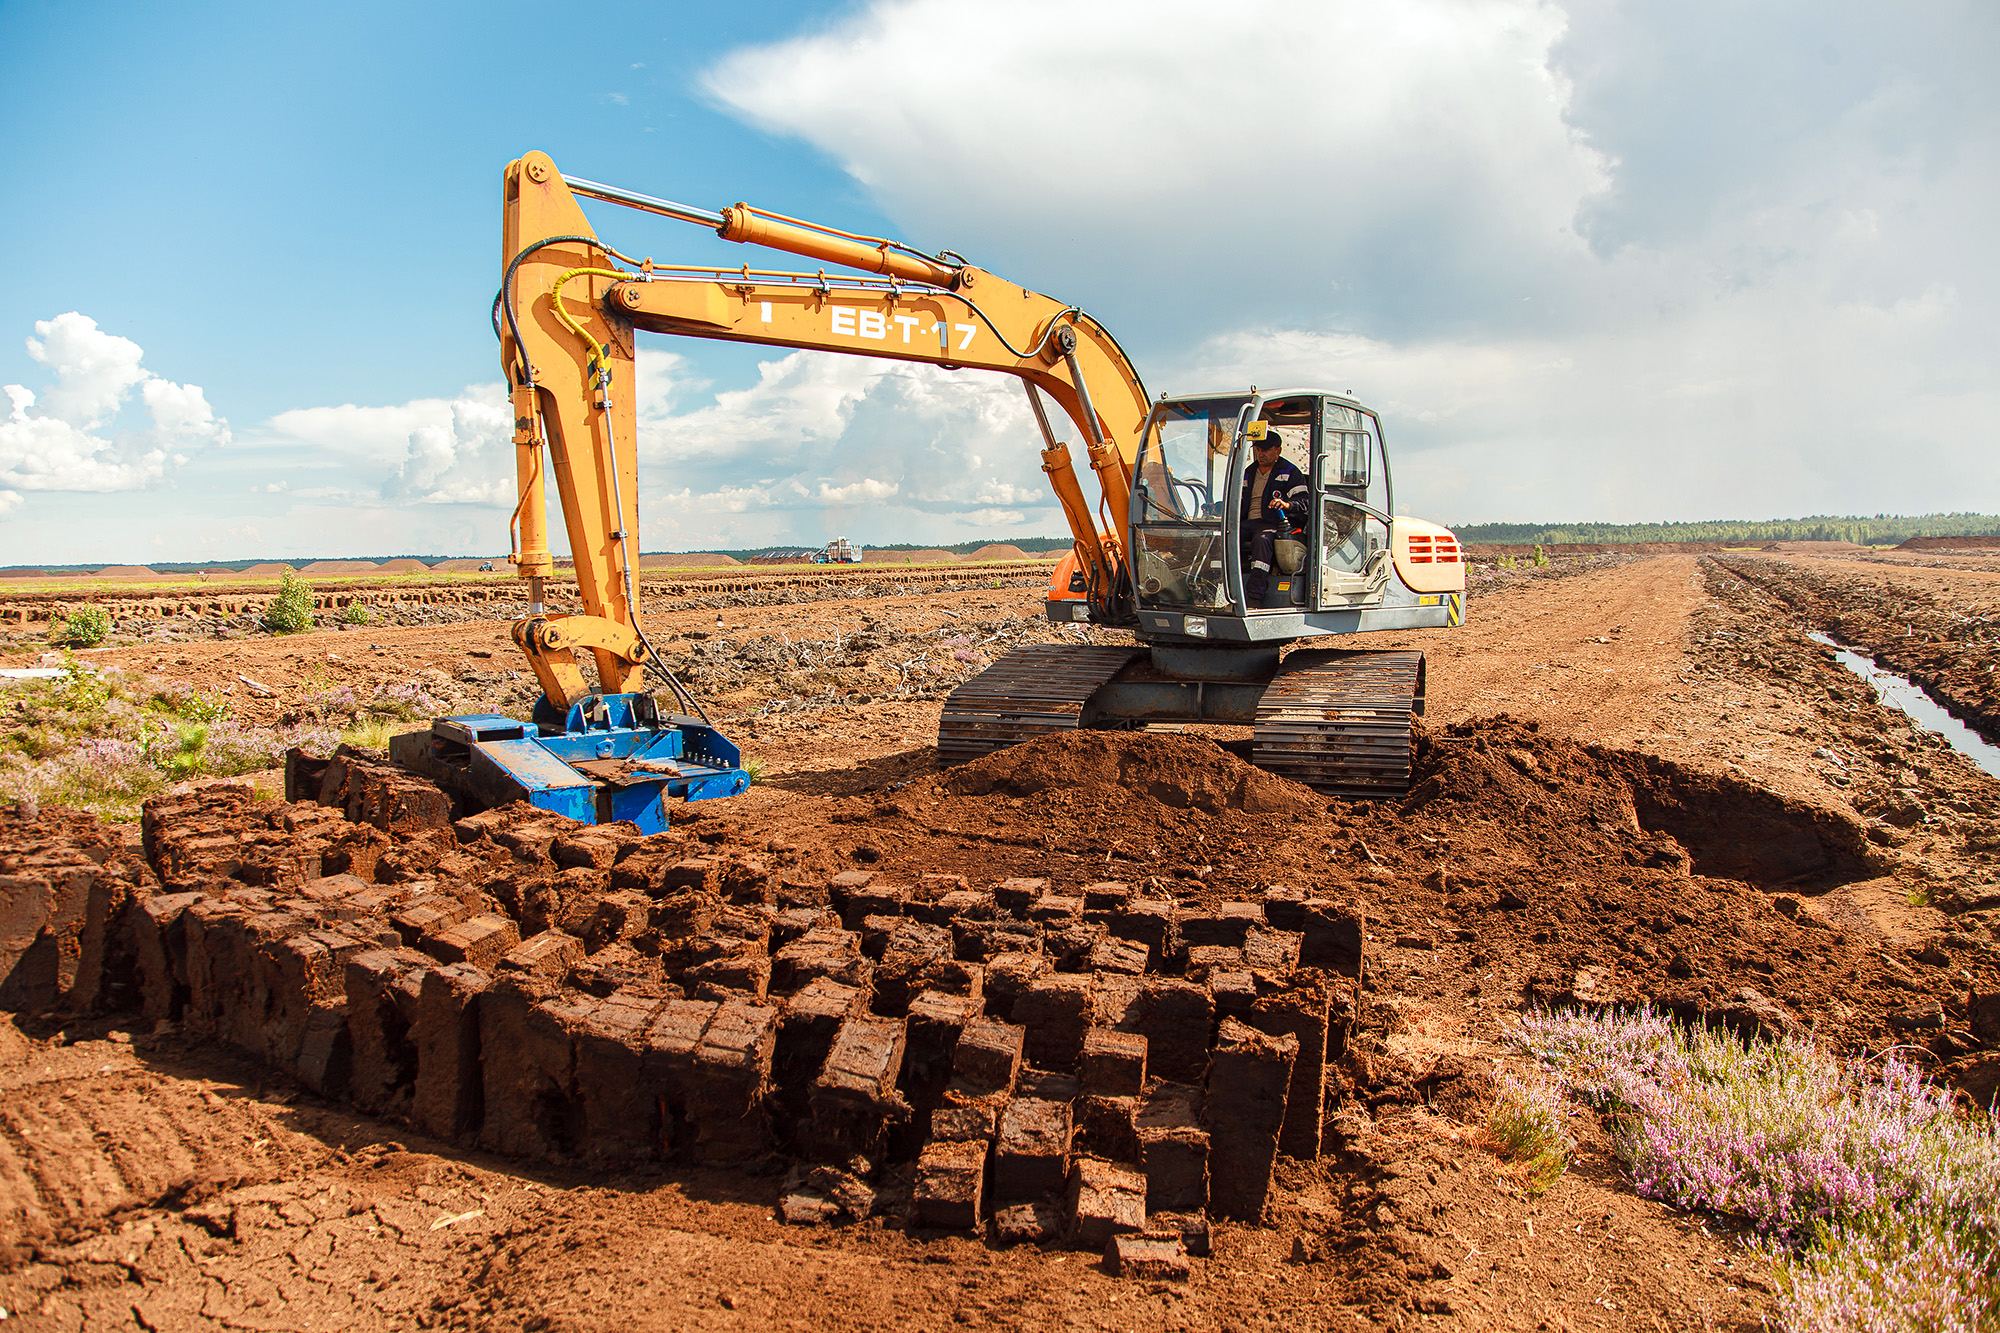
[1351,514]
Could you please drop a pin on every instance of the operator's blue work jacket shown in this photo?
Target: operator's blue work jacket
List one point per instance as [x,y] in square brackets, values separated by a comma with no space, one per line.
[1286,483]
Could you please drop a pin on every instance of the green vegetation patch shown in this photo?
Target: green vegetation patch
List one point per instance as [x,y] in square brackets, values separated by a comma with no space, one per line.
[104,740]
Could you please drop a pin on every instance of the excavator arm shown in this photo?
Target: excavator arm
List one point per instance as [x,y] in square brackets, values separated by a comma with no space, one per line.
[569,307]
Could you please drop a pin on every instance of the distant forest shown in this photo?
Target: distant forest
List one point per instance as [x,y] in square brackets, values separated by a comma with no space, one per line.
[1879,530]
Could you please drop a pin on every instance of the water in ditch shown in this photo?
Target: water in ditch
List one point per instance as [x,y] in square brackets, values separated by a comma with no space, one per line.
[1903,695]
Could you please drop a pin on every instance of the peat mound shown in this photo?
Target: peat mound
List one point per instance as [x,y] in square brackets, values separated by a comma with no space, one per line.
[1177,771]
[932,557]
[689,560]
[1728,827]
[1989,542]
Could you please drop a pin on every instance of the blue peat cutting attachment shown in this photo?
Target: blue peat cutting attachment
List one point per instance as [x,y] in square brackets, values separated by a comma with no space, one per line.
[615,757]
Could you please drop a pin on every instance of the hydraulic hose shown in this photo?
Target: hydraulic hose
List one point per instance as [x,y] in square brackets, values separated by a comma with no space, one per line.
[506,295]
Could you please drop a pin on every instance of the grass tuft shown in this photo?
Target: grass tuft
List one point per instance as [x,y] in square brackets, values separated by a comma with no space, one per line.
[1526,1127]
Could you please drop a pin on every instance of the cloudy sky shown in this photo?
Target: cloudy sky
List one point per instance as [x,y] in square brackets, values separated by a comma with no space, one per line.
[1620,261]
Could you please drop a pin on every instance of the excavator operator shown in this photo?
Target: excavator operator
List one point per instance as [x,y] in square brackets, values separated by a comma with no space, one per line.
[1274,507]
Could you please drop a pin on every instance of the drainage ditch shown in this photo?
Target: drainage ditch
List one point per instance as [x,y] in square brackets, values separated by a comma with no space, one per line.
[1909,698]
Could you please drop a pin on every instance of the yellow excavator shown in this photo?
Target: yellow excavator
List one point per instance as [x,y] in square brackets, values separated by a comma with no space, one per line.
[1164,554]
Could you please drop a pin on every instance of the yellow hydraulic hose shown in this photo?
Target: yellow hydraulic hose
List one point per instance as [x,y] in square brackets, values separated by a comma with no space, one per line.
[570,321]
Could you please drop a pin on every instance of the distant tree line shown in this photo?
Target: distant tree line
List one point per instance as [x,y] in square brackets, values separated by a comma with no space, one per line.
[1878,530]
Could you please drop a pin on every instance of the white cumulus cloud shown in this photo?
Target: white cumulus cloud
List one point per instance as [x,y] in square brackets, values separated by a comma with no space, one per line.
[457,450]
[1180,157]
[57,440]
[827,445]
[1608,260]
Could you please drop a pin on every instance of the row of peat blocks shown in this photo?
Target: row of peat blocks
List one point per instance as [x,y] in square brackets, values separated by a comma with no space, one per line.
[1026,1060]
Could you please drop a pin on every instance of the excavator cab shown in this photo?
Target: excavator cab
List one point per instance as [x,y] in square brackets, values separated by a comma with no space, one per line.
[1335,569]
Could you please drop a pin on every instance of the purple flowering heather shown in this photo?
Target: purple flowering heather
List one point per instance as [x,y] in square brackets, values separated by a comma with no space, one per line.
[233,748]
[1881,1207]
[406,700]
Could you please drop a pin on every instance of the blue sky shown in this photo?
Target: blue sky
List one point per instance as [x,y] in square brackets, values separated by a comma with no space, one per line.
[1621,261]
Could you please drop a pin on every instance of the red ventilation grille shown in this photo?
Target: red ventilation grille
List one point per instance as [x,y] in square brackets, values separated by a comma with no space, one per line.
[1428,550]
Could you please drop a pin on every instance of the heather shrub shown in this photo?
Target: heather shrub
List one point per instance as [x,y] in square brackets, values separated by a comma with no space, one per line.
[1878,1204]
[98,740]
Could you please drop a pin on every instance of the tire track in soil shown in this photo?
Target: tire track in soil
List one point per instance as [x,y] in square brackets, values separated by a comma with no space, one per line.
[80,1144]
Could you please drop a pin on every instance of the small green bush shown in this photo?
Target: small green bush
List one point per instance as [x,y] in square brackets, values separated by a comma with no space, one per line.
[291,611]
[355,613]
[1541,557]
[81,688]
[86,626]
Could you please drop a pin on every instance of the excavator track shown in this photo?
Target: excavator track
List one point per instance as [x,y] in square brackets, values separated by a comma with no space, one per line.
[1340,721]
[1034,691]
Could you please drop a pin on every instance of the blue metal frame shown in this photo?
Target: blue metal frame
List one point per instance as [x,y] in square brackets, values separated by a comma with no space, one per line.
[494,759]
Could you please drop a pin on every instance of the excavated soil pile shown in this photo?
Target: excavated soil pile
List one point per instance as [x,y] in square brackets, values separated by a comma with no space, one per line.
[1131,769]
[1557,872]
[1003,551]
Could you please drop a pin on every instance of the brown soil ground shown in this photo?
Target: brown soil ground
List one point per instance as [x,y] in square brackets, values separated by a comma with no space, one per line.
[126,572]
[267,570]
[402,567]
[1639,780]
[1000,552]
[910,558]
[340,567]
